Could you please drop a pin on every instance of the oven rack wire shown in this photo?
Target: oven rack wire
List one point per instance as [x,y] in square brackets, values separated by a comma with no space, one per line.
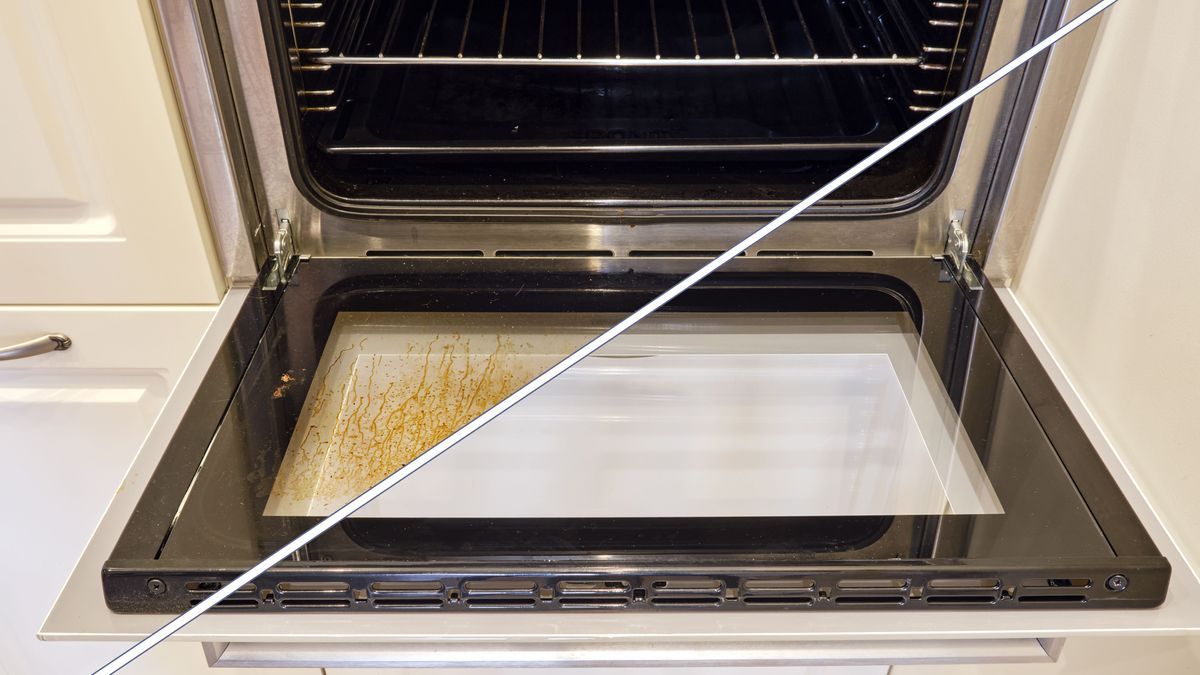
[600,33]
[331,38]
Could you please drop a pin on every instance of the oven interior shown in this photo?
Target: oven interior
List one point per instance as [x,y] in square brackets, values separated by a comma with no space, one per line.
[641,101]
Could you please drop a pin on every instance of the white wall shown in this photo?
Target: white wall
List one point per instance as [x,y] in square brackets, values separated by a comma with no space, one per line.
[1111,281]
[1110,278]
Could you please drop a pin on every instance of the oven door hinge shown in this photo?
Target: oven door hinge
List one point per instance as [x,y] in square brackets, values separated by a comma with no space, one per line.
[283,254]
[958,251]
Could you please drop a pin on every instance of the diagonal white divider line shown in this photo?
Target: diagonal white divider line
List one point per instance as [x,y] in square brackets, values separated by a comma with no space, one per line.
[596,343]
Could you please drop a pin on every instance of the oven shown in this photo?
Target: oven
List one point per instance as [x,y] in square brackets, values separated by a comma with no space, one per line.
[432,201]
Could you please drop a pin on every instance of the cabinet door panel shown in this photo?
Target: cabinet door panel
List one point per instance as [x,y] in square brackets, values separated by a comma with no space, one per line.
[70,424]
[98,202]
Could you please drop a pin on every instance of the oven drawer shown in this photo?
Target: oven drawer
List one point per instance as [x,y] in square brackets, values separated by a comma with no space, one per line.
[872,657]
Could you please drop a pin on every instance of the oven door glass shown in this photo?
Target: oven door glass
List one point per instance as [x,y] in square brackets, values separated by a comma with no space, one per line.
[797,417]
[688,415]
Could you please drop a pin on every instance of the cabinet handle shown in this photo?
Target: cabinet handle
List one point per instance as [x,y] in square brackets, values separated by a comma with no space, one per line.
[55,342]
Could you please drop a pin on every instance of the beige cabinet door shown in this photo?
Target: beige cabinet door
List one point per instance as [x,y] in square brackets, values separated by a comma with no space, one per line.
[70,424]
[98,202]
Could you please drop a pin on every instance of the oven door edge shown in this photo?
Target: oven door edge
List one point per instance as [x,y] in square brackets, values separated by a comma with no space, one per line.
[79,612]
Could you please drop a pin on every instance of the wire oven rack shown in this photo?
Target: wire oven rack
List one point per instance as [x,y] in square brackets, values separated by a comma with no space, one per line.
[592,33]
[334,42]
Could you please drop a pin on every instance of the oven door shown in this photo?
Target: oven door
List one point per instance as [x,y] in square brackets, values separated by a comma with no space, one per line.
[805,434]
[1016,509]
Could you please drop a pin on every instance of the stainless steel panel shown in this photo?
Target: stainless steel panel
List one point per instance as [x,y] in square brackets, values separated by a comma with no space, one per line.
[1009,223]
[212,133]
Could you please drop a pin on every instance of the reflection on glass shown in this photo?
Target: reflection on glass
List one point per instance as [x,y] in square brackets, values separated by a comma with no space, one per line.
[686,415]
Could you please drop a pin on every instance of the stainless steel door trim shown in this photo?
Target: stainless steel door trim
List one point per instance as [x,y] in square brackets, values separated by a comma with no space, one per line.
[624,652]
[575,226]
[198,73]
[243,40]
[54,342]
[1010,214]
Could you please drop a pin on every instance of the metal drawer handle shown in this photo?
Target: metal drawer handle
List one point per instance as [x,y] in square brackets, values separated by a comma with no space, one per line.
[55,342]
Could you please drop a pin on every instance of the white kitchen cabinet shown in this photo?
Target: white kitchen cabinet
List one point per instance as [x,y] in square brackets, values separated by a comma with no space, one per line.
[72,422]
[98,202]
[103,238]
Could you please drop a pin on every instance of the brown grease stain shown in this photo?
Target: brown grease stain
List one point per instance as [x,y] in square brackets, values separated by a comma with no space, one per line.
[392,410]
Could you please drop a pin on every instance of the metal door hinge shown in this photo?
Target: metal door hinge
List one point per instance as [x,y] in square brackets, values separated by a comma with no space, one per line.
[958,246]
[283,252]
[958,251]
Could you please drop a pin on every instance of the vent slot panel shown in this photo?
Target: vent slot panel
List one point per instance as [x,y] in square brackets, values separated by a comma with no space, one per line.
[315,603]
[987,582]
[1057,583]
[961,599]
[231,603]
[312,587]
[1072,599]
[497,603]
[408,603]
[593,587]
[390,588]
[685,601]
[778,601]
[870,600]
[593,602]
[872,583]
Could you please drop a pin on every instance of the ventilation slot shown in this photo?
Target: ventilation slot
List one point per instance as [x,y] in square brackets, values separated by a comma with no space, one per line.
[870,600]
[315,603]
[598,253]
[685,601]
[688,586]
[207,587]
[407,588]
[779,586]
[687,592]
[497,603]
[321,587]
[233,603]
[592,603]
[872,583]
[593,587]
[1056,583]
[778,592]
[600,594]
[813,254]
[408,603]
[500,593]
[960,599]
[677,254]
[1053,598]
[990,582]
[385,253]
[777,601]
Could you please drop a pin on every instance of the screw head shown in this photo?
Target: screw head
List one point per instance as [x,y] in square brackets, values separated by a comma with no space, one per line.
[156,586]
[1117,583]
